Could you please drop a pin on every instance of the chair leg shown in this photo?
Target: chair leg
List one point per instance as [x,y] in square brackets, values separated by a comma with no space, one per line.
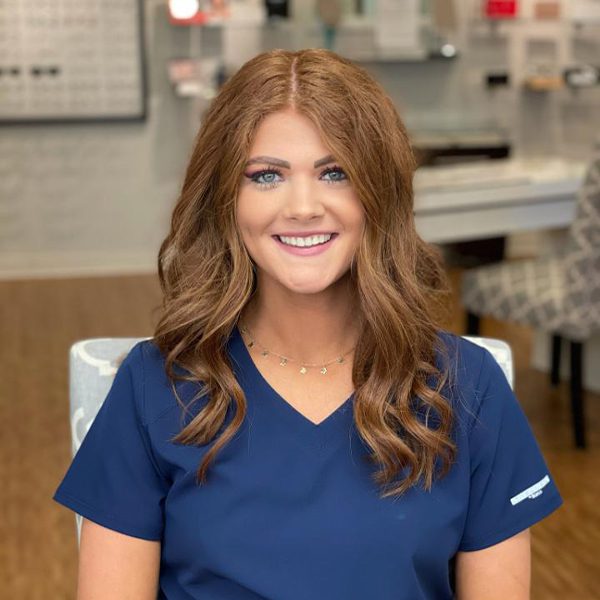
[473,323]
[555,371]
[577,393]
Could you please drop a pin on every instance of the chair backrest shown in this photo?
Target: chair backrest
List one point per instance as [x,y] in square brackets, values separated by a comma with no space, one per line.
[582,254]
[94,362]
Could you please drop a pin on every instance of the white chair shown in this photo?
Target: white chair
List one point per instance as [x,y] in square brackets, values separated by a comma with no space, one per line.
[94,362]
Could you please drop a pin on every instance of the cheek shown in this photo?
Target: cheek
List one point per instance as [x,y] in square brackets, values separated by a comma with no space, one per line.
[355,214]
[246,217]
[253,213]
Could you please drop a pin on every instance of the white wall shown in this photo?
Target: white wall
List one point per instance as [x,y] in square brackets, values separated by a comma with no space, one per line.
[95,198]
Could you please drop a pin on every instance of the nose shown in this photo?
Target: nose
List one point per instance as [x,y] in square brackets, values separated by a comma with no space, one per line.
[303,201]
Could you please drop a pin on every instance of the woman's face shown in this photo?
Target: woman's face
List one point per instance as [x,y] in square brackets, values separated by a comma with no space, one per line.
[293,187]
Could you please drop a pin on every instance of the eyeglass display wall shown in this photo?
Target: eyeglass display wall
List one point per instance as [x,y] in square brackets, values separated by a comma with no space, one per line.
[71,60]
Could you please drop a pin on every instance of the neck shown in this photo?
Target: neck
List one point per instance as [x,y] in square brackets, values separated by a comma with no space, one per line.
[311,328]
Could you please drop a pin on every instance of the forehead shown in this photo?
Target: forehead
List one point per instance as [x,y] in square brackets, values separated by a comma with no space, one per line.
[287,131]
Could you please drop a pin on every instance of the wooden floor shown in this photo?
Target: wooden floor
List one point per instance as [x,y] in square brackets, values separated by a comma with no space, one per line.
[40,319]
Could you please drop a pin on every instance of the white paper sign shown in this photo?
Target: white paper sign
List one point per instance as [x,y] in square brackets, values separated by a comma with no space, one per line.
[397,25]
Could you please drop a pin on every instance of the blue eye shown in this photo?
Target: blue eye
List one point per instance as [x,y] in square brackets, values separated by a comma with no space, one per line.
[265,178]
[338,172]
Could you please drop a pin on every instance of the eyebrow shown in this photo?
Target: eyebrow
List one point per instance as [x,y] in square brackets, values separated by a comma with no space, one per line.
[285,164]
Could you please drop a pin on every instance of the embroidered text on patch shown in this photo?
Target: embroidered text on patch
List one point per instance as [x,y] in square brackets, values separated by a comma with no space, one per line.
[531,492]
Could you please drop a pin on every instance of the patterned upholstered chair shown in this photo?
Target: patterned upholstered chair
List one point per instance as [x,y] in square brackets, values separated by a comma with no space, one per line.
[94,362]
[558,293]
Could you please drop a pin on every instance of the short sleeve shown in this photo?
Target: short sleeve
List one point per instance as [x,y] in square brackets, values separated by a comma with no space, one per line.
[113,479]
[511,487]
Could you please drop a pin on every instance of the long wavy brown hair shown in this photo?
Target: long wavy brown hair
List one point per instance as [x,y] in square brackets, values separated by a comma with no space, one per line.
[207,276]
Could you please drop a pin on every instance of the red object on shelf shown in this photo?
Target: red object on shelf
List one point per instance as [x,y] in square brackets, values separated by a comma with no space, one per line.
[501,9]
[198,19]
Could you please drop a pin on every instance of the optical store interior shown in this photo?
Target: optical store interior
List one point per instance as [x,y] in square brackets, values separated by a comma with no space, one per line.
[100,103]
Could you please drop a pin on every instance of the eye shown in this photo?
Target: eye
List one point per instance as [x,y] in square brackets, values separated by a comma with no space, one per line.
[337,174]
[265,178]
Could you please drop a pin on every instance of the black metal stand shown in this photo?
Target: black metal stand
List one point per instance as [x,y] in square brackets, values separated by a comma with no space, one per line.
[473,324]
[555,369]
[577,393]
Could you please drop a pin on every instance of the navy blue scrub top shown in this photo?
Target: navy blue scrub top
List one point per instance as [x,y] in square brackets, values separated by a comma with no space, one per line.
[289,510]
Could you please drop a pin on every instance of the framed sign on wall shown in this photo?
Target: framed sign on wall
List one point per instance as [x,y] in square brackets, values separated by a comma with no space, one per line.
[71,61]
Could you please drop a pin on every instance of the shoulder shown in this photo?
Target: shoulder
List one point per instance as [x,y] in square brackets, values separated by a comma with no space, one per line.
[146,363]
[466,360]
[144,356]
[148,354]
[472,369]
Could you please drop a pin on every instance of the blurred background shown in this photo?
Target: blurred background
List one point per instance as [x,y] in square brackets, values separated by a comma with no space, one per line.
[100,101]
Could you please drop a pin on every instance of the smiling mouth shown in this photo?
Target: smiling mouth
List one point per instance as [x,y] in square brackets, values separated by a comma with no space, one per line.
[306,250]
[332,236]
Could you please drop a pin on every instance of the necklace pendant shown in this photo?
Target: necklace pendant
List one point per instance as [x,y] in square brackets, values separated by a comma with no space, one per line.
[283,362]
[323,370]
[264,352]
[340,360]
[303,370]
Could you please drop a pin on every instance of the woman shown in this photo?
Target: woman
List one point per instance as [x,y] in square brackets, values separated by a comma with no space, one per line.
[300,425]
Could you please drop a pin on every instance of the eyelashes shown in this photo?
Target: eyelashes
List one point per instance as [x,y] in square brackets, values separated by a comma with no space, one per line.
[258,177]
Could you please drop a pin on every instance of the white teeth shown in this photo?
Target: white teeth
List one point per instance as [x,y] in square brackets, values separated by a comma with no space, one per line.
[305,242]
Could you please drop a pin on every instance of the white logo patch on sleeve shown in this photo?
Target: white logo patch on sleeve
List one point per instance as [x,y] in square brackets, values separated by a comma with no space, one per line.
[531,492]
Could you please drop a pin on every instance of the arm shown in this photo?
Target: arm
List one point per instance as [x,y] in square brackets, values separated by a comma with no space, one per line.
[115,565]
[496,573]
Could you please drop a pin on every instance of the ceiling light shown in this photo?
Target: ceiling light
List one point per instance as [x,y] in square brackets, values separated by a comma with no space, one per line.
[183,9]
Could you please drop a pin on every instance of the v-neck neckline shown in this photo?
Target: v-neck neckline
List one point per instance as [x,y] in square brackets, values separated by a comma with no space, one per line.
[320,435]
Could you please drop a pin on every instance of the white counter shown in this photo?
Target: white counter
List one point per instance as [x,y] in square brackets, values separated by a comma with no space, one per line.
[493,198]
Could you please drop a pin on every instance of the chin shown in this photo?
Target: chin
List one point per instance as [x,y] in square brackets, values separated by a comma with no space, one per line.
[309,287]
[312,285]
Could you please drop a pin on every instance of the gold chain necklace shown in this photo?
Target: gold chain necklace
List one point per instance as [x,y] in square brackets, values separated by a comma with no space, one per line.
[285,359]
